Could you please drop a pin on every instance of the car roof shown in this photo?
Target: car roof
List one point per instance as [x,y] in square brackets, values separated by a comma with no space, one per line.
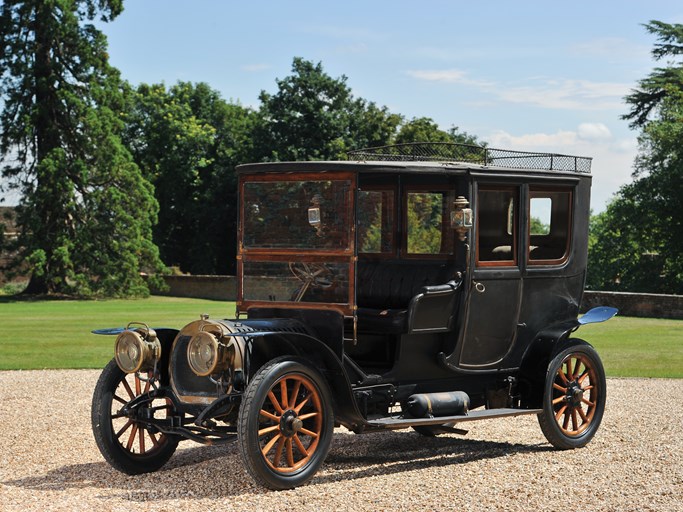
[437,158]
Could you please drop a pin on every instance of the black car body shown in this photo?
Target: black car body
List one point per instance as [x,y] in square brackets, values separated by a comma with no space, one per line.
[417,286]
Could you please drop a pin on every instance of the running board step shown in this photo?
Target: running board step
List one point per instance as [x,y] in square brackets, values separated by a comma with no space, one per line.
[485,414]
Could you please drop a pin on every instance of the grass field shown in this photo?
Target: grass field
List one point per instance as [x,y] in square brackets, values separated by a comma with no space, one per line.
[56,334]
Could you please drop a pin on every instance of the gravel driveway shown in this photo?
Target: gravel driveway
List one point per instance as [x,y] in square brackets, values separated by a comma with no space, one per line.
[48,461]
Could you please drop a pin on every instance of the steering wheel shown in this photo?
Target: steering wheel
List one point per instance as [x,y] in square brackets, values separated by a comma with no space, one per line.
[315,275]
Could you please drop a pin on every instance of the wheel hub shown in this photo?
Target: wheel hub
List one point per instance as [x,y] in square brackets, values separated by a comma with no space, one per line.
[290,424]
[574,394]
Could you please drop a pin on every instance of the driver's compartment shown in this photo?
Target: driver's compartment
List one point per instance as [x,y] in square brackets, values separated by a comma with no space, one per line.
[376,245]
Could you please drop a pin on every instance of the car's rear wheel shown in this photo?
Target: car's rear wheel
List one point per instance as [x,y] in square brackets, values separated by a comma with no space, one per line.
[574,397]
[285,424]
[128,445]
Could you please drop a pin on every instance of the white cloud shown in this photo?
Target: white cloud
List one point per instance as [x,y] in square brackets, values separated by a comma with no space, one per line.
[533,141]
[538,91]
[612,159]
[610,48]
[566,94]
[450,76]
[453,76]
[255,68]
[594,131]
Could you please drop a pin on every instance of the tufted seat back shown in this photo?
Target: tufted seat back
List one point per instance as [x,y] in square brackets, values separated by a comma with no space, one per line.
[384,285]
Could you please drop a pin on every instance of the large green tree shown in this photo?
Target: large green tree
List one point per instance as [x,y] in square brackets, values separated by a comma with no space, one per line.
[86,212]
[424,129]
[638,240]
[314,116]
[188,140]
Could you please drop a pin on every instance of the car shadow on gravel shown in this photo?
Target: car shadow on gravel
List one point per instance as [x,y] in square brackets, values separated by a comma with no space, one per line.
[196,473]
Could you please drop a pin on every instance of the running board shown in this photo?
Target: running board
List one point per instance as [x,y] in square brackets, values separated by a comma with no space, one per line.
[396,423]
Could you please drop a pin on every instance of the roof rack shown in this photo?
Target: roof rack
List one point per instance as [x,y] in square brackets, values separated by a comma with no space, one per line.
[472,154]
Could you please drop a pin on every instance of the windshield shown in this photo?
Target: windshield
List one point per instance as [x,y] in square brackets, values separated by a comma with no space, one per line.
[311,215]
[297,240]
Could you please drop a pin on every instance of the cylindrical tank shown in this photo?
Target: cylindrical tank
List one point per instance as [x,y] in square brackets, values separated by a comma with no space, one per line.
[449,403]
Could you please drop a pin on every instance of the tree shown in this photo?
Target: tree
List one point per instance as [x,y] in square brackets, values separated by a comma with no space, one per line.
[315,117]
[424,129]
[640,235]
[86,212]
[188,140]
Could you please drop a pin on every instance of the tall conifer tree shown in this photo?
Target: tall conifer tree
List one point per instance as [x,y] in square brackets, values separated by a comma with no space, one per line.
[86,212]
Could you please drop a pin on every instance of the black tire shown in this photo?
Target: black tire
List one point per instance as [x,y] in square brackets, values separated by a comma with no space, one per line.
[128,446]
[574,397]
[284,441]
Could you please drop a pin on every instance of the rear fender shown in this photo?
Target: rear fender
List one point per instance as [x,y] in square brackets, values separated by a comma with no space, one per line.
[550,342]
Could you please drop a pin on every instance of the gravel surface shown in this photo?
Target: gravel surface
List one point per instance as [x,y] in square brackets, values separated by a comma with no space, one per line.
[49,461]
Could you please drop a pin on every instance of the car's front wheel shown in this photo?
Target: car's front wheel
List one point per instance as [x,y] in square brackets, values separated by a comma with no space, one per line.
[285,424]
[574,397]
[128,445]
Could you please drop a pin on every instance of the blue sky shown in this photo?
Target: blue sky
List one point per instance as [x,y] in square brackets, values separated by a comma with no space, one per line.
[546,76]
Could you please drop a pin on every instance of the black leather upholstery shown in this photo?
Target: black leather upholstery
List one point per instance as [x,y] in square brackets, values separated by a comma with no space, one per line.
[387,285]
[385,289]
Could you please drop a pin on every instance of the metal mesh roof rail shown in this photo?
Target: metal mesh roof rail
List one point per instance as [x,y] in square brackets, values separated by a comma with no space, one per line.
[480,155]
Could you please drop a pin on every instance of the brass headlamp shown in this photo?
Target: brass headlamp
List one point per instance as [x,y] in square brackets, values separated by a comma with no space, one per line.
[137,349]
[210,354]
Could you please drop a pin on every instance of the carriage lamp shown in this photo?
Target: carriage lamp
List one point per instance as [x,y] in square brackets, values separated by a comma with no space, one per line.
[461,217]
[207,355]
[137,350]
[314,218]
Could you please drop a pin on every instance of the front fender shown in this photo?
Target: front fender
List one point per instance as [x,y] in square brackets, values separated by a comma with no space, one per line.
[263,346]
[166,336]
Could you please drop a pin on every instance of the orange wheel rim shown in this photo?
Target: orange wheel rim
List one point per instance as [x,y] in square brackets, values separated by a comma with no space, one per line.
[575,394]
[290,423]
[132,436]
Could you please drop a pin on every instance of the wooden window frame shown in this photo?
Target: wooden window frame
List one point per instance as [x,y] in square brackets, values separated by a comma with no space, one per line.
[407,189]
[513,263]
[539,191]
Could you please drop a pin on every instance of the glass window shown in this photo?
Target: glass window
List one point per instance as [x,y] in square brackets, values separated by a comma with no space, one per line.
[496,227]
[376,221]
[427,220]
[539,214]
[296,281]
[297,214]
[549,226]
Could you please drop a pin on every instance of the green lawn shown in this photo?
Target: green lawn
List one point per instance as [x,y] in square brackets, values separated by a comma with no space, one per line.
[56,334]
[638,347]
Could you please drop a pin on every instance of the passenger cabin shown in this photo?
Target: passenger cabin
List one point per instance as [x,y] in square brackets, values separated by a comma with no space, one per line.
[438,259]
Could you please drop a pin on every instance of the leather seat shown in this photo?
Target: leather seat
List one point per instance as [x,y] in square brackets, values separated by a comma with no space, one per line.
[385,289]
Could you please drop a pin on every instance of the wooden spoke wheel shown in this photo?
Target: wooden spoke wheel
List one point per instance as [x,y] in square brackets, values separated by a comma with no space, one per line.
[286,422]
[130,446]
[574,397]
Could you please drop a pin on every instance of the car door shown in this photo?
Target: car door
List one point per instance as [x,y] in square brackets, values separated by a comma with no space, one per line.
[495,288]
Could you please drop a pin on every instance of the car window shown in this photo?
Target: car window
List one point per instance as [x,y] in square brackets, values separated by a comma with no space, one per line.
[376,226]
[549,226]
[496,227]
[306,215]
[427,214]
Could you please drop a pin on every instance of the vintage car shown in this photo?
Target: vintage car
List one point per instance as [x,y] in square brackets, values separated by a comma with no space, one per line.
[417,286]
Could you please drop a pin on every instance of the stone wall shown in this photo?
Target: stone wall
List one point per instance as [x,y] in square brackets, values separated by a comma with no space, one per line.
[200,287]
[636,304]
[629,304]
